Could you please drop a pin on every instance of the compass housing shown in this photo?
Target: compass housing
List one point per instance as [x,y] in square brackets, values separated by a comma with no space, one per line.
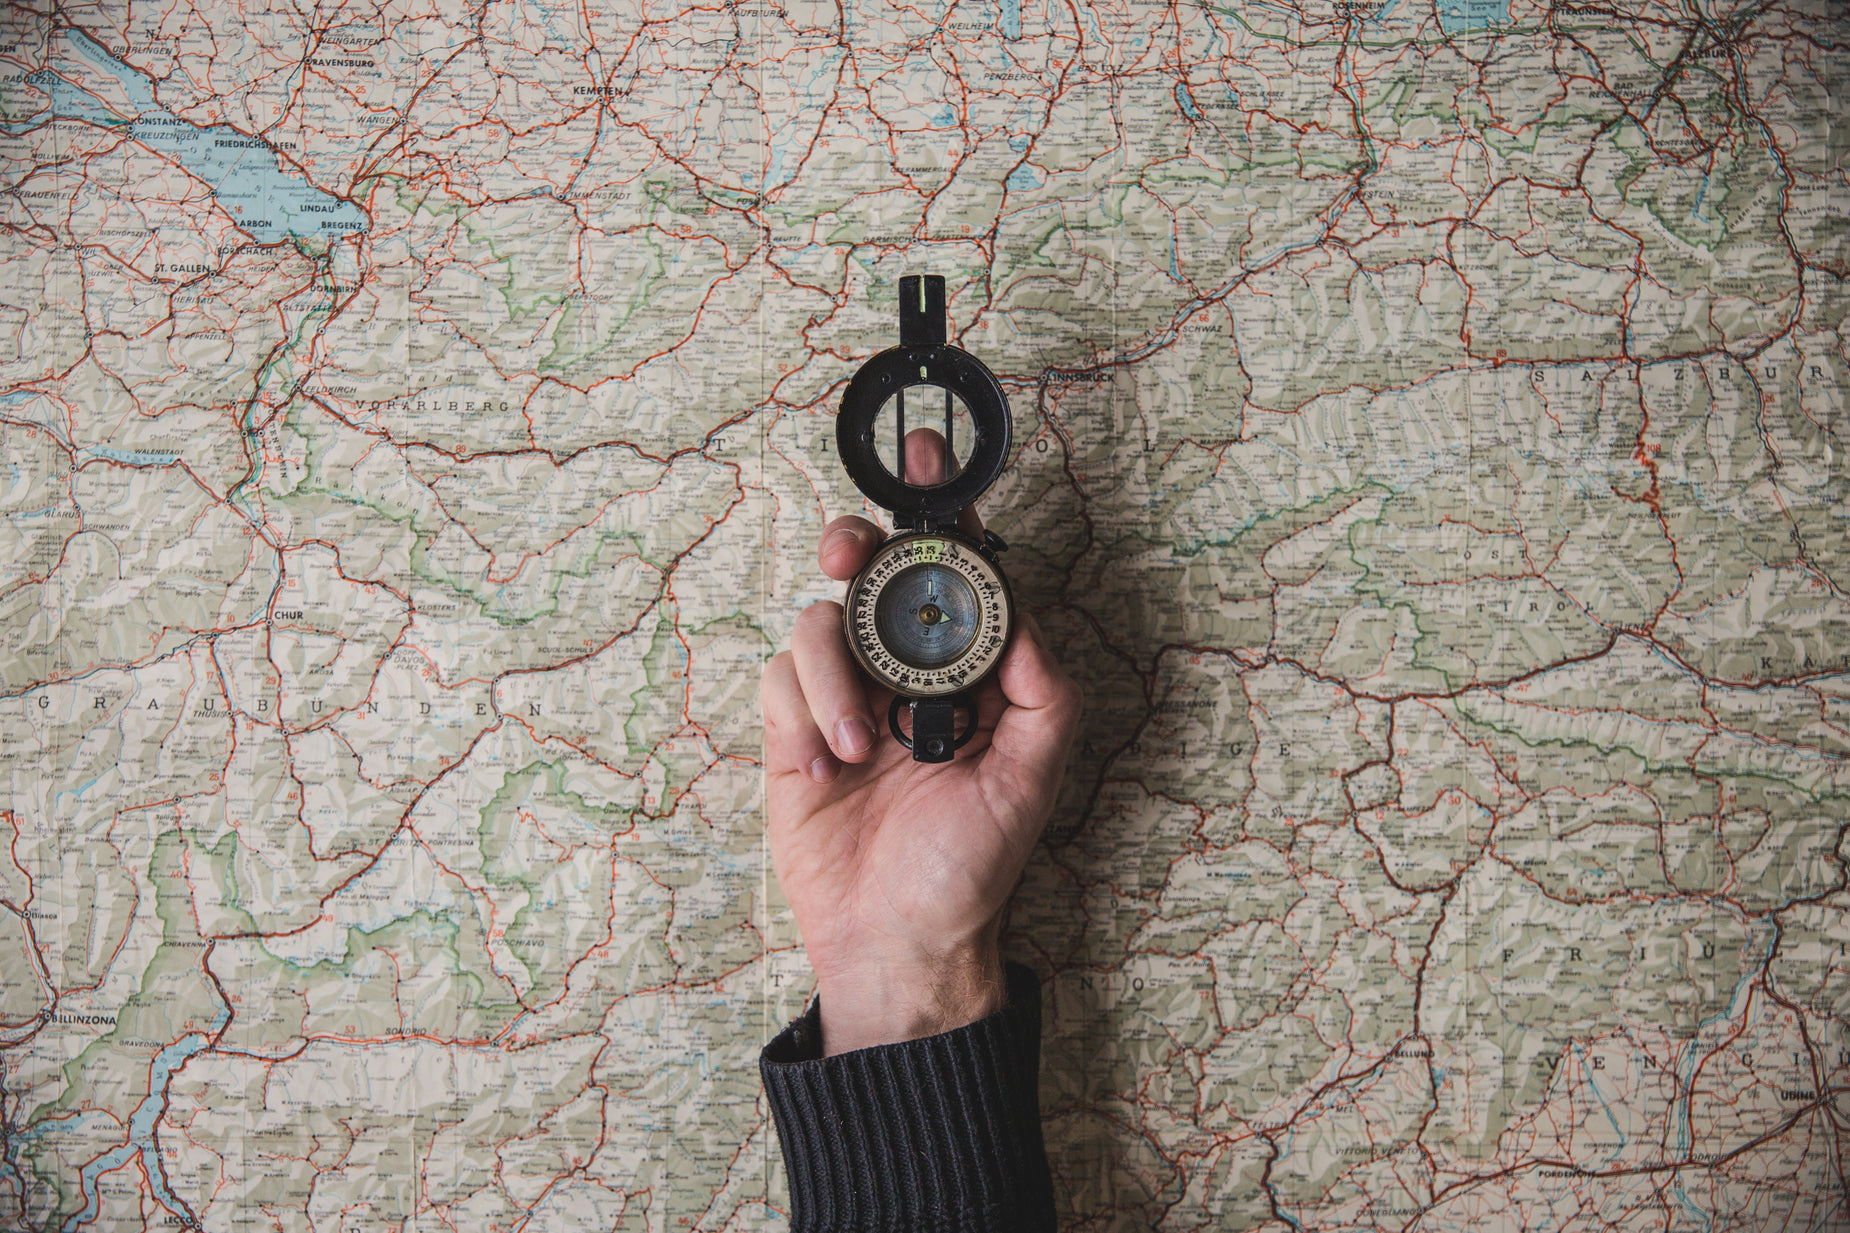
[929,643]
[930,614]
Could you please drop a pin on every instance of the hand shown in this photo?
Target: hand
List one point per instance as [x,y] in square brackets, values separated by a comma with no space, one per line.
[897,870]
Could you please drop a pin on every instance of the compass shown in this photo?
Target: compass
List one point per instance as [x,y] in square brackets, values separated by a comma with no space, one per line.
[930,614]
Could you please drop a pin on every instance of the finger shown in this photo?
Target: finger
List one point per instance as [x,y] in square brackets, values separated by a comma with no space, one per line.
[925,457]
[846,544]
[1035,733]
[832,682]
[792,745]
[1031,676]
[926,465]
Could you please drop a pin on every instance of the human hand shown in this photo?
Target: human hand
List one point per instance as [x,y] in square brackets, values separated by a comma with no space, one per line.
[898,870]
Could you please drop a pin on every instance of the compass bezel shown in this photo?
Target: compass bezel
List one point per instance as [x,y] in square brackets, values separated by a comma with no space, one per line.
[995,604]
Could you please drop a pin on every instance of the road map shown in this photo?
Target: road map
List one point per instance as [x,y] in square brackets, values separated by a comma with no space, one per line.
[1430,452]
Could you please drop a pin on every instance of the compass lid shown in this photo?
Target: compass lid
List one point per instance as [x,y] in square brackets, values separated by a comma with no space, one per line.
[922,359]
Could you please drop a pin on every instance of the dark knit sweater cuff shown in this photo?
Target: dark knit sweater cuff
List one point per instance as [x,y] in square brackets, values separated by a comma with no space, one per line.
[938,1134]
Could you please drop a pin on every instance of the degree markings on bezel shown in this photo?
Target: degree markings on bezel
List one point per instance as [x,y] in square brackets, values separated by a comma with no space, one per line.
[986,642]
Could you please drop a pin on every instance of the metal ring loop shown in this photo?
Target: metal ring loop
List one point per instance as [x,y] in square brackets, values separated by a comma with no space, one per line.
[959,702]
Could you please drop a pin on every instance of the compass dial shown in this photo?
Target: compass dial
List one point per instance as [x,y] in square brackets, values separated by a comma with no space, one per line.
[927,615]
[930,615]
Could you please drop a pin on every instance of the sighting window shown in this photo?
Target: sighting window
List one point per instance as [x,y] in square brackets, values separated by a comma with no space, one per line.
[927,406]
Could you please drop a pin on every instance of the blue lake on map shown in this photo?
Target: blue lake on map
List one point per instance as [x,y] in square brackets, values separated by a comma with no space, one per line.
[141,1132]
[266,201]
[1457,15]
[133,458]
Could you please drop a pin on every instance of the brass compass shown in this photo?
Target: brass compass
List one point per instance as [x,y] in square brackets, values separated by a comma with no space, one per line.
[930,615]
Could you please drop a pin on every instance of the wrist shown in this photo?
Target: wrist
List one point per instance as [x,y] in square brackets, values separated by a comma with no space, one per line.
[881,1003]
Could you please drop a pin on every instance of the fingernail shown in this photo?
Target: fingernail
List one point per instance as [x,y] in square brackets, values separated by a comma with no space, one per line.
[841,537]
[822,770]
[853,737]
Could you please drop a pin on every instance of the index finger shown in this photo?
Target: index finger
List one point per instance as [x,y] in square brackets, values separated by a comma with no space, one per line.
[847,543]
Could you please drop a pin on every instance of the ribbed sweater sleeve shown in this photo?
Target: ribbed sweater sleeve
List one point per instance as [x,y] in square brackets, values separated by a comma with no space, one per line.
[938,1135]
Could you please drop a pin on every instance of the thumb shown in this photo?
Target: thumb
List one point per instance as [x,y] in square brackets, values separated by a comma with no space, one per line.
[1028,750]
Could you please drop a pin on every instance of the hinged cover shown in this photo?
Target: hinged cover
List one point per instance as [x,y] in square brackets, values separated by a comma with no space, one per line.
[922,359]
